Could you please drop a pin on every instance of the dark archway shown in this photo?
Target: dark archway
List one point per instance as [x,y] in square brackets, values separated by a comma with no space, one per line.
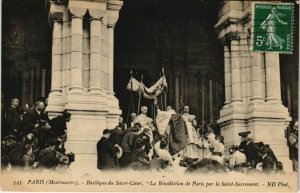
[26,51]
[176,35]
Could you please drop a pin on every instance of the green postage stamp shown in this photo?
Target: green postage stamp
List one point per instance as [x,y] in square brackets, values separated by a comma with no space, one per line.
[272,27]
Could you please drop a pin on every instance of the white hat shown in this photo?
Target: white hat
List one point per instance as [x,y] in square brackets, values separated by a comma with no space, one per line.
[120,152]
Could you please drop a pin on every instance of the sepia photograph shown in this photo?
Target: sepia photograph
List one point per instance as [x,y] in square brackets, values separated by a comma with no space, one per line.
[149,95]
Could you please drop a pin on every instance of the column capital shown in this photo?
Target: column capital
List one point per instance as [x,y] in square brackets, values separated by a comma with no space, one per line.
[113,8]
[56,16]
[56,10]
[77,12]
[112,20]
[96,14]
[76,16]
[114,5]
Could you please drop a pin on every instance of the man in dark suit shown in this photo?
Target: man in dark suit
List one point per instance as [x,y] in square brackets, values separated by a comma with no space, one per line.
[116,135]
[127,144]
[32,120]
[267,161]
[59,126]
[13,119]
[59,123]
[36,122]
[106,153]
[250,148]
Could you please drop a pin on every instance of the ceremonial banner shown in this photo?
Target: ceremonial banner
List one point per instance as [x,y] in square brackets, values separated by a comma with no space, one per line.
[149,93]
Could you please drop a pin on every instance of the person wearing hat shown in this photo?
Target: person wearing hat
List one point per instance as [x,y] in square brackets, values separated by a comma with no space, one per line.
[105,152]
[12,149]
[8,141]
[249,147]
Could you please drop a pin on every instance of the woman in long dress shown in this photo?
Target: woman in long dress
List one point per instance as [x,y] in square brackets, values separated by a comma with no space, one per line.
[270,24]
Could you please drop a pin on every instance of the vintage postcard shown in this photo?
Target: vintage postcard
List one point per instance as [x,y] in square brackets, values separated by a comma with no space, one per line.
[149,96]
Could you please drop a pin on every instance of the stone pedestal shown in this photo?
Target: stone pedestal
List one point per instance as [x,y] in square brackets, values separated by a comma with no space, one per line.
[253,101]
[81,63]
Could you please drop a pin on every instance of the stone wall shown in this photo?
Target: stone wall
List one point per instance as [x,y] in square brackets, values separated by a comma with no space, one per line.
[252,85]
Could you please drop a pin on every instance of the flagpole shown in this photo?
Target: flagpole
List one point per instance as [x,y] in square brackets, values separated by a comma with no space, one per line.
[165,91]
[202,89]
[132,101]
[161,102]
[165,98]
[140,94]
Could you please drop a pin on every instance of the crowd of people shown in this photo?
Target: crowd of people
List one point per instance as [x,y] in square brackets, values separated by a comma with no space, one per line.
[30,140]
[176,140]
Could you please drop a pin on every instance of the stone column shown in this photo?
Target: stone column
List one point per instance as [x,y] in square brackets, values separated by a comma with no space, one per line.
[104,65]
[235,72]
[76,54]
[95,56]
[227,71]
[55,100]
[256,79]
[110,58]
[56,57]
[65,52]
[112,16]
[273,78]
[113,8]
[86,57]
